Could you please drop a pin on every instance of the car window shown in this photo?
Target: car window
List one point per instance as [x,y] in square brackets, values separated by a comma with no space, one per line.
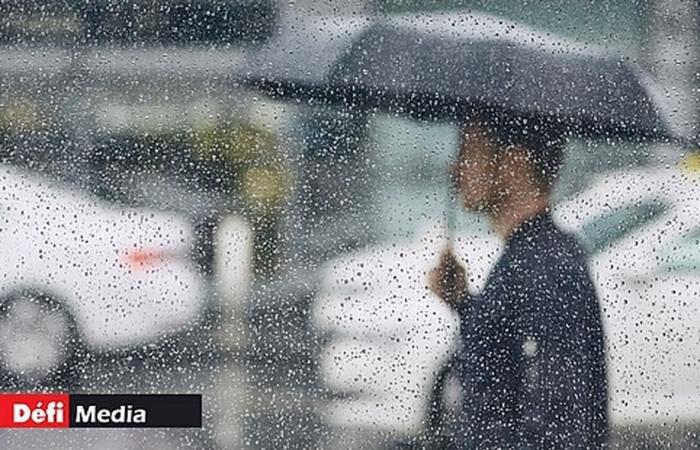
[613,226]
[683,255]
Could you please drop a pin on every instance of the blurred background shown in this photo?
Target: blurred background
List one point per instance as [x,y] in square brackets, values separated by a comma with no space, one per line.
[166,229]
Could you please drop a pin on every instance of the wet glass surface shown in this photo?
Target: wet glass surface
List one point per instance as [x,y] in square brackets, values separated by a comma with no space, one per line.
[354,224]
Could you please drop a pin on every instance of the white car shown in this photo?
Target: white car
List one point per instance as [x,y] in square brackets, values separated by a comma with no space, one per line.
[80,273]
[389,337]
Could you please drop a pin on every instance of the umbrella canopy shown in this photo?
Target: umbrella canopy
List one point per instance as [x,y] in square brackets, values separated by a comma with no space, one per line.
[439,64]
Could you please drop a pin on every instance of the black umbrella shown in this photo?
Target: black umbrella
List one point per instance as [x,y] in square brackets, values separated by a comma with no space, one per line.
[439,64]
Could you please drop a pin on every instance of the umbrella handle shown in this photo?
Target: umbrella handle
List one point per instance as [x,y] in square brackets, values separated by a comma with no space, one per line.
[450,216]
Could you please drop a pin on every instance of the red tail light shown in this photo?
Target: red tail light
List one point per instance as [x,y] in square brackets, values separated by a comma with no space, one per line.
[140,258]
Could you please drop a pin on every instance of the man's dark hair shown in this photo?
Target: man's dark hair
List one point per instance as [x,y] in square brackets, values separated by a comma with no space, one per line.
[542,137]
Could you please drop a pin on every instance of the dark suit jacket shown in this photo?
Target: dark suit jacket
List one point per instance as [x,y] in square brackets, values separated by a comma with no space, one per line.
[532,364]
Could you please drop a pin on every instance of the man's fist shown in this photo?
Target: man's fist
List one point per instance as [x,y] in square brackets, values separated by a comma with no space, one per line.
[448,280]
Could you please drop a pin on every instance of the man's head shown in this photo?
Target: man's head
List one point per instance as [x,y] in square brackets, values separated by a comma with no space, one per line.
[503,158]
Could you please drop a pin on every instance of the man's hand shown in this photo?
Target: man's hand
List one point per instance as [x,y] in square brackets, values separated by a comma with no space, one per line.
[448,280]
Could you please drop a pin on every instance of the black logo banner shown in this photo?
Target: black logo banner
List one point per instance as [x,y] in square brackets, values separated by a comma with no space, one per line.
[136,411]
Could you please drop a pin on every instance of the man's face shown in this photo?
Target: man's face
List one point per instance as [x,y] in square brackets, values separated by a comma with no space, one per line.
[475,171]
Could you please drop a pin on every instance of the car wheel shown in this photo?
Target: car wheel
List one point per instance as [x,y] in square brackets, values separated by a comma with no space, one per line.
[38,342]
[444,407]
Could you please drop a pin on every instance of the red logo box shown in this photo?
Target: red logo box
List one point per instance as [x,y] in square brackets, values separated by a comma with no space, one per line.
[34,410]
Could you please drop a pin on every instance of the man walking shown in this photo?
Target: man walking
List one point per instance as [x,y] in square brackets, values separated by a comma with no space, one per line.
[532,366]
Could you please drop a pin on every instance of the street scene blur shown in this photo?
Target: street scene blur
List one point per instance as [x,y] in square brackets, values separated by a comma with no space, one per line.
[368,224]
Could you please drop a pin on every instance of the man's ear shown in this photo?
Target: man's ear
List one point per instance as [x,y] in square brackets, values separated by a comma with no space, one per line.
[507,160]
[513,165]
[524,168]
[519,156]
